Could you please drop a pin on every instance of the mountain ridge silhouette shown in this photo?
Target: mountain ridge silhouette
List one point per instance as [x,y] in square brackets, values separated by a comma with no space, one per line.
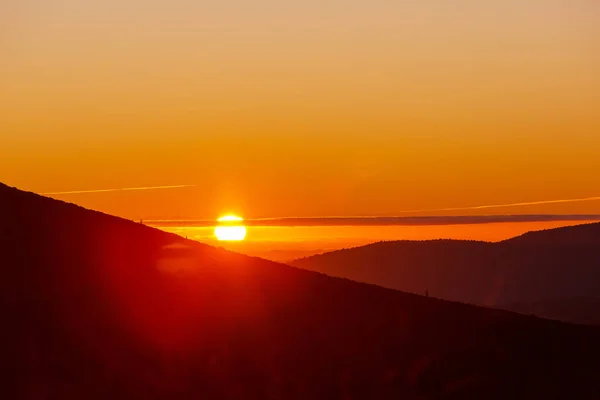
[536,266]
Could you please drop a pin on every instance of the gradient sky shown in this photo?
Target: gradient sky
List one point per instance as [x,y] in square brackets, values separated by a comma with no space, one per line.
[307,108]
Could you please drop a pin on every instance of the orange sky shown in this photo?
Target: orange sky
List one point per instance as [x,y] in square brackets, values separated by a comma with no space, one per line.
[302,108]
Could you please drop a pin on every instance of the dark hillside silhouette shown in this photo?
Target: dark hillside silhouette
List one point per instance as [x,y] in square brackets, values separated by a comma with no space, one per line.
[558,263]
[96,307]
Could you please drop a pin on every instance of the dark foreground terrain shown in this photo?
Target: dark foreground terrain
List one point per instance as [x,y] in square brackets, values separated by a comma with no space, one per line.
[96,307]
[579,310]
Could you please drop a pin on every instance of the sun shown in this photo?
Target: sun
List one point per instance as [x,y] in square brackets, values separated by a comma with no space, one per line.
[230,233]
[230,228]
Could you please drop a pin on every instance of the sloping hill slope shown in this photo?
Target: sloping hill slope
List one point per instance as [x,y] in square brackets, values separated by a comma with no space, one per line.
[97,307]
[581,310]
[551,264]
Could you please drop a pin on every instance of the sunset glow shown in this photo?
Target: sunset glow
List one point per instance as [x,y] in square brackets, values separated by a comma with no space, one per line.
[365,199]
[305,110]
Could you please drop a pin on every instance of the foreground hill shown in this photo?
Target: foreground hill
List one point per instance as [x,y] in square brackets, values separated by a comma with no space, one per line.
[559,263]
[97,307]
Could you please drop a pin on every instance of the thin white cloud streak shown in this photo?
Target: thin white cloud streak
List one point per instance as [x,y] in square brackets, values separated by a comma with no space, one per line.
[484,207]
[117,190]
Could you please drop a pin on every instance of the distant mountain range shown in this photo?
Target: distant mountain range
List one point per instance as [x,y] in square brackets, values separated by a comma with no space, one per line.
[555,264]
[97,307]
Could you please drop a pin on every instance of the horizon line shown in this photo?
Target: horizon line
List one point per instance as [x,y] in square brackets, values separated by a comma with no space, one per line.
[383,221]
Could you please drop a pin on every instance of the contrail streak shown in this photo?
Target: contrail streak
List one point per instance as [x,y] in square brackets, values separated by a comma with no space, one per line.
[118,190]
[530,203]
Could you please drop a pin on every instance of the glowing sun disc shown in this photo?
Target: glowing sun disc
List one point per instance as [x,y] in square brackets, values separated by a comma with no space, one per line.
[230,233]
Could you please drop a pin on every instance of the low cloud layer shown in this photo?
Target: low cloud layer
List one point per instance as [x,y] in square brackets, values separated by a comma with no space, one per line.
[386,221]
